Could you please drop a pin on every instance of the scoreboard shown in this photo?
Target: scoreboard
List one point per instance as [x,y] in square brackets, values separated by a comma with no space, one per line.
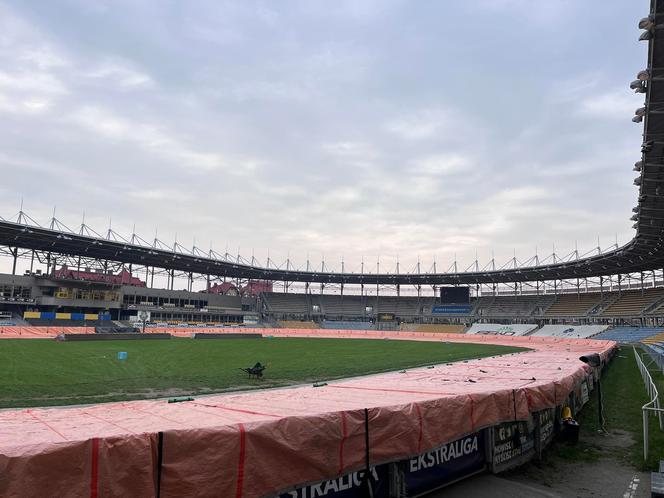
[455,295]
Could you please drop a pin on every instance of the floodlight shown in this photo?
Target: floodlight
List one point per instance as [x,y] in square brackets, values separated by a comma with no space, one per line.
[637,119]
[635,209]
[638,86]
[645,36]
[641,111]
[647,146]
[637,181]
[635,217]
[647,22]
[643,75]
[638,165]
[635,226]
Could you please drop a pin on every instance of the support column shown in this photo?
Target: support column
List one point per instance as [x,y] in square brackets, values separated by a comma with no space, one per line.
[15,256]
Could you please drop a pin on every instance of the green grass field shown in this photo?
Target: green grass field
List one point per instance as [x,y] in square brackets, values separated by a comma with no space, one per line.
[624,395]
[45,372]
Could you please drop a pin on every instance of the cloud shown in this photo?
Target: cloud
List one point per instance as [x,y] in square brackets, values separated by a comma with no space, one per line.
[419,126]
[120,74]
[365,129]
[618,104]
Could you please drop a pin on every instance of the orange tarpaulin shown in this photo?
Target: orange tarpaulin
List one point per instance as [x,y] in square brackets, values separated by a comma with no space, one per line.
[255,444]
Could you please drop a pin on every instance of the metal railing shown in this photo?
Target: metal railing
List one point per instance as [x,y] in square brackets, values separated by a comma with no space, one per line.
[652,406]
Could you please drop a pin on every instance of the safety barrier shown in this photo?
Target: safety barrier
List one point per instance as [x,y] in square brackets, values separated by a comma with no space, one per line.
[652,406]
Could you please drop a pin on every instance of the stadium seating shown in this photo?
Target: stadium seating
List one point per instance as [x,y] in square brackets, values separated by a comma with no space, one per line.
[342,305]
[297,324]
[573,304]
[502,329]
[433,327]
[655,340]
[633,302]
[570,331]
[512,306]
[629,334]
[287,304]
[347,325]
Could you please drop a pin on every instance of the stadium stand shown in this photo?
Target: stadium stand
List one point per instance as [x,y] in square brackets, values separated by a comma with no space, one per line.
[343,306]
[287,304]
[570,331]
[502,329]
[628,334]
[347,325]
[401,306]
[577,304]
[433,327]
[634,302]
[655,340]
[298,324]
[512,306]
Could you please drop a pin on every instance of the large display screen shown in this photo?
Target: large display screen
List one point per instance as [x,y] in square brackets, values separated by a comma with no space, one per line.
[454,295]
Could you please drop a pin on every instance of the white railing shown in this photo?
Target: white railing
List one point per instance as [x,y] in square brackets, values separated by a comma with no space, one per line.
[652,406]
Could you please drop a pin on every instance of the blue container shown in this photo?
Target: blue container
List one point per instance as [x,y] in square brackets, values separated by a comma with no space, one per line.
[122,355]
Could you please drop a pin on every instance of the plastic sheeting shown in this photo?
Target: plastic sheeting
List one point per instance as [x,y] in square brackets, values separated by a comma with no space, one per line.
[256,444]
[502,329]
[570,331]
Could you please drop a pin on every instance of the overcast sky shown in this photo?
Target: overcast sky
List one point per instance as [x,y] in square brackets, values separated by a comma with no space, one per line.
[376,128]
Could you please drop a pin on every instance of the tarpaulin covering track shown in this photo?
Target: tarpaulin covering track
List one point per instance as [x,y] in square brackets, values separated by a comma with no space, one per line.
[256,444]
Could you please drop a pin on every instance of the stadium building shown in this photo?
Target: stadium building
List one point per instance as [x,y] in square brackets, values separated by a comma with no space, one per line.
[80,278]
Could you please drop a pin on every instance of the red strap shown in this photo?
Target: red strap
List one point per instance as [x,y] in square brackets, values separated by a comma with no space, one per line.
[94,474]
[240,467]
[344,435]
[419,439]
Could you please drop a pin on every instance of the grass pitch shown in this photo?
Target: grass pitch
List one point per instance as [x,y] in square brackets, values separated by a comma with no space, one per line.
[624,394]
[45,372]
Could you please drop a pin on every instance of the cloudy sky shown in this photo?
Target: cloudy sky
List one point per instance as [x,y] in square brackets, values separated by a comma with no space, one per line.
[355,128]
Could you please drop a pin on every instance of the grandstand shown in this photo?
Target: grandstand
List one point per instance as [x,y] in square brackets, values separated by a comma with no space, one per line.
[513,306]
[628,334]
[574,305]
[567,305]
[634,302]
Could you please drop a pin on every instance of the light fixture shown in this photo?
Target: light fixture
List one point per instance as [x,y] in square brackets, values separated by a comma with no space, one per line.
[643,75]
[635,226]
[647,146]
[635,209]
[637,181]
[638,86]
[635,217]
[645,36]
[647,22]
[641,111]
[637,119]
[638,165]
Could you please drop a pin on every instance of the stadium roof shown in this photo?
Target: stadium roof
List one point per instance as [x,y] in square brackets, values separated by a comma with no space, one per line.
[644,252]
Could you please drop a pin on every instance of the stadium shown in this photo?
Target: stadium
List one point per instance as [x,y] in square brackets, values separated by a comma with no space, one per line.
[140,367]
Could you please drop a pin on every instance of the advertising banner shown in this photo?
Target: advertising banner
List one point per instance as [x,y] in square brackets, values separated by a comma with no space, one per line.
[545,427]
[443,465]
[347,486]
[460,309]
[513,444]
